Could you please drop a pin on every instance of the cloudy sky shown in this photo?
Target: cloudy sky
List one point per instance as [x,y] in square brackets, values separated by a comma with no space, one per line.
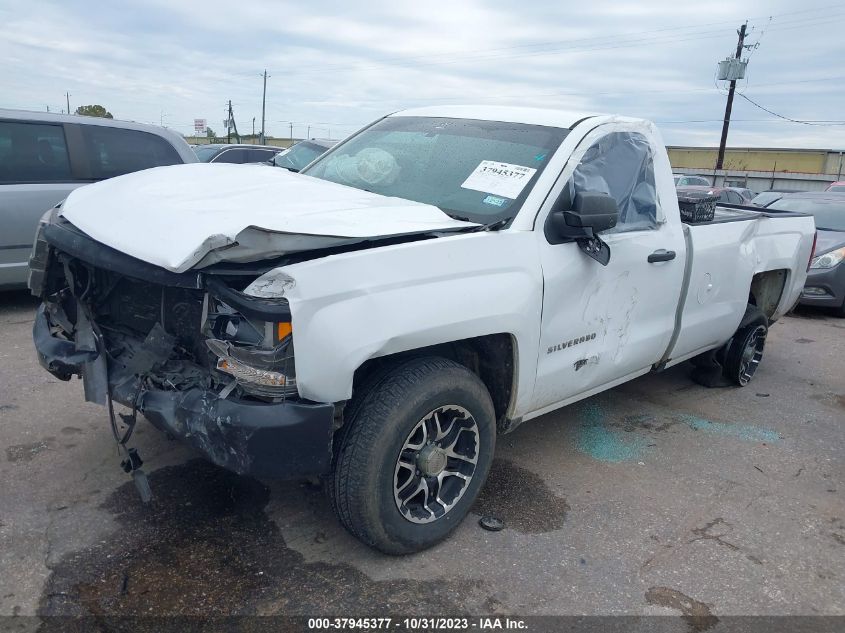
[335,66]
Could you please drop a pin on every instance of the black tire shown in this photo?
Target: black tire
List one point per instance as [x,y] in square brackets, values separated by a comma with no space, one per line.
[383,417]
[745,350]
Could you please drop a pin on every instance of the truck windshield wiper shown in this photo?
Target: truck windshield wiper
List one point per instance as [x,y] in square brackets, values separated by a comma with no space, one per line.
[489,226]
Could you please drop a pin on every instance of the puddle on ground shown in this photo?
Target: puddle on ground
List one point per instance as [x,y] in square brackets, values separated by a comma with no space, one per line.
[521,499]
[205,547]
[696,614]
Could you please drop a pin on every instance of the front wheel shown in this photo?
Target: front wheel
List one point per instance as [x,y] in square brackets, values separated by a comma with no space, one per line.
[416,452]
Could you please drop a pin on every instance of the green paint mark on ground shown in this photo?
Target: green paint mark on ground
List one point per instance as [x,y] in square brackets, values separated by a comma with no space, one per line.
[602,443]
[745,432]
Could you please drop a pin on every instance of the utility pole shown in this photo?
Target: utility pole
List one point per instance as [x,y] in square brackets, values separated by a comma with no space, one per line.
[721,159]
[253,130]
[263,103]
[308,136]
[291,131]
[67,96]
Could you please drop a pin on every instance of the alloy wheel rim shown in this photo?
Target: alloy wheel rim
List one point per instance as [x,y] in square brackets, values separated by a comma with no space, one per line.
[436,464]
[751,354]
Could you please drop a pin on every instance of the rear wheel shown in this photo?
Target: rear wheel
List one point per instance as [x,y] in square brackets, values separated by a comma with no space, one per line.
[416,452]
[745,350]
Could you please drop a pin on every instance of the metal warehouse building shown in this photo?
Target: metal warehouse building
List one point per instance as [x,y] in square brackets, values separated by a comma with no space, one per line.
[762,168]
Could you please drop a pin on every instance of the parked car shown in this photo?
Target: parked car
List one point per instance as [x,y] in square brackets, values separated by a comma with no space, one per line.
[837,186]
[825,284]
[683,180]
[765,198]
[445,275]
[234,153]
[725,194]
[299,155]
[43,157]
[746,194]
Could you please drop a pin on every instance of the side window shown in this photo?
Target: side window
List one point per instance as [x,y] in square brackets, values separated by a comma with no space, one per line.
[260,155]
[114,151]
[621,164]
[734,197]
[33,152]
[234,155]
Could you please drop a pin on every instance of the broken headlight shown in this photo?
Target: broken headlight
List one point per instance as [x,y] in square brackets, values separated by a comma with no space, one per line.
[261,372]
[257,354]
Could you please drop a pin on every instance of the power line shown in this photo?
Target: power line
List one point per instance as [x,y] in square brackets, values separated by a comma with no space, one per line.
[786,118]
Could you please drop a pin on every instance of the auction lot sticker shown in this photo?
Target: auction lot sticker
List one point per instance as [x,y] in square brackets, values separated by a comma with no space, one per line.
[501,179]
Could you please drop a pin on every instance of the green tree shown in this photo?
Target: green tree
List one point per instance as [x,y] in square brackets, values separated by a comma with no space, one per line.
[210,133]
[94,110]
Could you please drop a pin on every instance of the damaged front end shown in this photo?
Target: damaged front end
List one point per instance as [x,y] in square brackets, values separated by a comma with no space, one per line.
[198,358]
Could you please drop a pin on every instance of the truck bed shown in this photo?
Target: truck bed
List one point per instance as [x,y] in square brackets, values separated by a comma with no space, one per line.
[740,213]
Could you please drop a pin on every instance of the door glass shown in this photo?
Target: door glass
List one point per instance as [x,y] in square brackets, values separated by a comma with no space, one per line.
[33,152]
[260,155]
[236,156]
[114,151]
[621,164]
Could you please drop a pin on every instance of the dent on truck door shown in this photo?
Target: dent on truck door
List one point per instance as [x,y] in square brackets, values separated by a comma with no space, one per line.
[602,323]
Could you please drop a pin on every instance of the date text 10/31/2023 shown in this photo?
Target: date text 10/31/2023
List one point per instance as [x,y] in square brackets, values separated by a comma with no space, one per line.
[419,623]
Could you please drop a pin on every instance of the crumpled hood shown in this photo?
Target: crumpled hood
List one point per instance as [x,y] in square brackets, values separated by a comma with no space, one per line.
[180,216]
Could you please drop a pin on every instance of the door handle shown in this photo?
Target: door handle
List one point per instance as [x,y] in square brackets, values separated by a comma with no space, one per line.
[661,255]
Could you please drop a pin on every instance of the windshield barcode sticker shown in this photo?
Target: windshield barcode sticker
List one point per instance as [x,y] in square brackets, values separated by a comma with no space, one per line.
[501,179]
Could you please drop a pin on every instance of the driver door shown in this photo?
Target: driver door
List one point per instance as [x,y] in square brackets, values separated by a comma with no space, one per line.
[601,324]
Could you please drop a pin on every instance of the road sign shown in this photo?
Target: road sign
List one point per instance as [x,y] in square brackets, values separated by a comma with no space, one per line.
[200,126]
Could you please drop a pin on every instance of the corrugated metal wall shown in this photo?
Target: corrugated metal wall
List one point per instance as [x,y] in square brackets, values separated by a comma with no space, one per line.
[750,159]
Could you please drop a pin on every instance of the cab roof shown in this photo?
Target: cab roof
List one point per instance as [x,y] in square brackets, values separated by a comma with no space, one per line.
[509,114]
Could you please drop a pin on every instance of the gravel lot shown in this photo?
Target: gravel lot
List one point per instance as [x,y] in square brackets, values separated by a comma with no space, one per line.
[658,497]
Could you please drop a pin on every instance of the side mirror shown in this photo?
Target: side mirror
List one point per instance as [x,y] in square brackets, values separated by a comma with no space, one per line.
[591,213]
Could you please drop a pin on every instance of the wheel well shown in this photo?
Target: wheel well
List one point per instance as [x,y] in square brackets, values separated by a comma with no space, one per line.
[492,358]
[766,290]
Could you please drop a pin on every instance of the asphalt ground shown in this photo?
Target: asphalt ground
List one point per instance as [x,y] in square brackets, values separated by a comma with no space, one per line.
[657,497]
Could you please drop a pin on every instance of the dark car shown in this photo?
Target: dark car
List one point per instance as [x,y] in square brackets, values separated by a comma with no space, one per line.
[765,198]
[825,285]
[298,156]
[238,154]
[725,194]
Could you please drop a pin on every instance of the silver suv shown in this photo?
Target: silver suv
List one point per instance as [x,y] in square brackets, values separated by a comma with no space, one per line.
[683,180]
[43,157]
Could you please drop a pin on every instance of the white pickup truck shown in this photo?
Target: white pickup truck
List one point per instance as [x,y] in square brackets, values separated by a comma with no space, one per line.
[443,275]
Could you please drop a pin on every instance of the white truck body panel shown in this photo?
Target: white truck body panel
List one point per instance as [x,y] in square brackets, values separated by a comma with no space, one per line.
[578,327]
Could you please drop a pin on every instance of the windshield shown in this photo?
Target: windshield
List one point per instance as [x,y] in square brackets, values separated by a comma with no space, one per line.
[762,199]
[205,154]
[298,156]
[476,170]
[829,214]
[836,188]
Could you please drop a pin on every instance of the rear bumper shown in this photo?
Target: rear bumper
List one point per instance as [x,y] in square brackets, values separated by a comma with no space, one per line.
[283,440]
[829,280]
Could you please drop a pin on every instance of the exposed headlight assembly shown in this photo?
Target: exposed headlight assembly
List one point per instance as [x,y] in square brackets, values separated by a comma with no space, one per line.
[828,260]
[258,371]
[256,352]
